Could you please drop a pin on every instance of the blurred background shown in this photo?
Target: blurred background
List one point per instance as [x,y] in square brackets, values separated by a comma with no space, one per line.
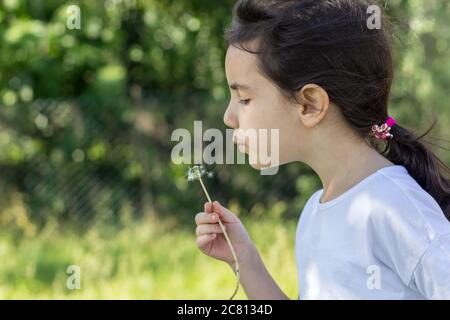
[86,116]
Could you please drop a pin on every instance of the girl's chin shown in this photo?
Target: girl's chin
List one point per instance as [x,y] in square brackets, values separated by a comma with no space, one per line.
[262,166]
[255,162]
[256,166]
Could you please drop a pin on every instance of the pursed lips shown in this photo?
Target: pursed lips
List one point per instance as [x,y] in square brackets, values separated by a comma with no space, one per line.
[242,146]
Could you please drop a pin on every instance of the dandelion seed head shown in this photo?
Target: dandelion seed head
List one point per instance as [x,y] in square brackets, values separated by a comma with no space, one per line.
[198,171]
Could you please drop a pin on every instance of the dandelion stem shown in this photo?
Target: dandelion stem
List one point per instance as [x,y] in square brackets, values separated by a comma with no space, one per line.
[204,189]
[233,253]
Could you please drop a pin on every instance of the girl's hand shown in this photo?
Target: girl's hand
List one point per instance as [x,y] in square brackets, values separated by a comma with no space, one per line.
[210,238]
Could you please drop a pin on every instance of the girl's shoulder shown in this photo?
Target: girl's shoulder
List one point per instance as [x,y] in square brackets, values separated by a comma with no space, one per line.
[399,196]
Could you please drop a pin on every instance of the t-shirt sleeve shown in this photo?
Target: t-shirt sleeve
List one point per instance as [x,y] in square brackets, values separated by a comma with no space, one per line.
[413,240]
[398,241]
[432,274]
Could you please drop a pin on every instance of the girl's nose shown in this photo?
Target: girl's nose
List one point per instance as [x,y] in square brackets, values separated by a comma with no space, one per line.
[229,118]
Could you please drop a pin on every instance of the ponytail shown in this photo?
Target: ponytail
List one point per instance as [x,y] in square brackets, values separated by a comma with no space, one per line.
[422,164]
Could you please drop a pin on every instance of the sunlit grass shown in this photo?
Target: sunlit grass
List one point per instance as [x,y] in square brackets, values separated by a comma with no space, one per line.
[141,261]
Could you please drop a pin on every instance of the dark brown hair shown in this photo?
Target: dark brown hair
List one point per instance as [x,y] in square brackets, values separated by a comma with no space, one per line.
[329,43]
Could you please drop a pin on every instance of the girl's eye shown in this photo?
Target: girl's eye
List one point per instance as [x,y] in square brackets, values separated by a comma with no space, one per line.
[244,101]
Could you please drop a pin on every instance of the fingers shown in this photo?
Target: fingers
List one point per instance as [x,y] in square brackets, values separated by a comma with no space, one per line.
[225,214]
[205,239]
[202,217]
[207,229]
[208,208]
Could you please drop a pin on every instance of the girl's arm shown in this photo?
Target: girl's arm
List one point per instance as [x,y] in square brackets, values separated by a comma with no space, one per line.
[256,280]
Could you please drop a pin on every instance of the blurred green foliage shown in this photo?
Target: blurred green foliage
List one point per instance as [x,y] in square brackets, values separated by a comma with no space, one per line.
[87,113]
[85,123]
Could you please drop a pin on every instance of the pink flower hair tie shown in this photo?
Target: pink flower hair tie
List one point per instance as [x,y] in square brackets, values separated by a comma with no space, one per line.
[382,132]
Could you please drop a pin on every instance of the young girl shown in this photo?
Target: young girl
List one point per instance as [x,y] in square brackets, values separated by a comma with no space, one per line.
[379,228]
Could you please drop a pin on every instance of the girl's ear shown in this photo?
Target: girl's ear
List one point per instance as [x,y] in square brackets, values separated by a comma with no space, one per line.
[314,104]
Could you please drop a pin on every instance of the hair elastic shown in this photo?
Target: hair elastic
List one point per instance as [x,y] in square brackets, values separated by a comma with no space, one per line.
[382,132]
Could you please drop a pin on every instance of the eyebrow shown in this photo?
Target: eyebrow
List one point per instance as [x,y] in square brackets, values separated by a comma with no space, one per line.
[239,86]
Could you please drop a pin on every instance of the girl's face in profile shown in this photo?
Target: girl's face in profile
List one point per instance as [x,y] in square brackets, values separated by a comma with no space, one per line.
[256,103]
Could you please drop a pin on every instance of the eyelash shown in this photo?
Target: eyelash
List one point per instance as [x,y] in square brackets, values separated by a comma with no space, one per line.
[244,101]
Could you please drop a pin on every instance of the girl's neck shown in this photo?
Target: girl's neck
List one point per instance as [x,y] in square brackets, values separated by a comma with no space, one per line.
[344,165]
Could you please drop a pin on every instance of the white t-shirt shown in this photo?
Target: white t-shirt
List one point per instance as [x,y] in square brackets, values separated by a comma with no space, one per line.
[385,238]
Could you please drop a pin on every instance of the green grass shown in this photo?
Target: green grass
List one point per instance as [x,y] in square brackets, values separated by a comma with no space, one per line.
[144,260]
